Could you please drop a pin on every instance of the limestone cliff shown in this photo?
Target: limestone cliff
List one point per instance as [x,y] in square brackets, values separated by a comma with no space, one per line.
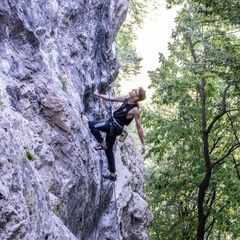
[51,59]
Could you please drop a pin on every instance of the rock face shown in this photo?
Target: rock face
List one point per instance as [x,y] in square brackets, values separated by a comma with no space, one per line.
[52,55]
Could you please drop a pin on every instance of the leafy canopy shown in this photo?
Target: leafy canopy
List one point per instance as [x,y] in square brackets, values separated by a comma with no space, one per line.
[193,126]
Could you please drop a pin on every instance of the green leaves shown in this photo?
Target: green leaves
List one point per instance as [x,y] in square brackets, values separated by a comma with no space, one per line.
[193,126]
[125,48]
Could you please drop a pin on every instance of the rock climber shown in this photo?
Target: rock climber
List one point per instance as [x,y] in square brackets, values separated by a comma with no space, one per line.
[128,111]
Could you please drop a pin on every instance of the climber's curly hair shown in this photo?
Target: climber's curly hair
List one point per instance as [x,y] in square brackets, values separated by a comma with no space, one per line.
[141,94]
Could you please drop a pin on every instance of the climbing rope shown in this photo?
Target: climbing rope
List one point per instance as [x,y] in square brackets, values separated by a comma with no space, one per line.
[133,204]
[110,109]
[133,218]
[100,197]
[104,53]
[118,232]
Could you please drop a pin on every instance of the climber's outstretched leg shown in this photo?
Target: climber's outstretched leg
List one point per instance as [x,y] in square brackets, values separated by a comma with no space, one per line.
[95,127]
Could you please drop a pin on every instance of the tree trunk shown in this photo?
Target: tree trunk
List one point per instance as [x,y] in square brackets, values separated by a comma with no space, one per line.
[202,217]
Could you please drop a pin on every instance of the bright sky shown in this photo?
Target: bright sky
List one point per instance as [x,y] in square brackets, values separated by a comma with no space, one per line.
[153,38]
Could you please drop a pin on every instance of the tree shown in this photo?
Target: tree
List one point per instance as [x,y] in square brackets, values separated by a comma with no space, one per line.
[195,144]
[126,51]
[125,48]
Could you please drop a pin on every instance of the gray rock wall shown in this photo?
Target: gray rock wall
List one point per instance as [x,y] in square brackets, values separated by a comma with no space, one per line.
[53,54]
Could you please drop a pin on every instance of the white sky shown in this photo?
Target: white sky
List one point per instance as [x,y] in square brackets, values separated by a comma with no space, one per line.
[153,38]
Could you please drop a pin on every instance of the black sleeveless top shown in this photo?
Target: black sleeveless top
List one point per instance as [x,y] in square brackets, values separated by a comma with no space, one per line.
[120,114]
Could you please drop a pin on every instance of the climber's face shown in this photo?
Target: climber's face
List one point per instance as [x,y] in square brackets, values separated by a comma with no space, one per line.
[134,93]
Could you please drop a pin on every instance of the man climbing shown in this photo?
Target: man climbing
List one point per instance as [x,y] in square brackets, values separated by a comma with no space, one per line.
[128,111]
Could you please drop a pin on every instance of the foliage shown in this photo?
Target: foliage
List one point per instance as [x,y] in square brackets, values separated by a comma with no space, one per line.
[125,49]
[2,106]
[30,156]
[193,128]
[224,11]
[130,61]
[63,82]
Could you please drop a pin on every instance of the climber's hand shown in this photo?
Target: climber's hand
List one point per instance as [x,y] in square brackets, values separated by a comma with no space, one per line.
[96,93]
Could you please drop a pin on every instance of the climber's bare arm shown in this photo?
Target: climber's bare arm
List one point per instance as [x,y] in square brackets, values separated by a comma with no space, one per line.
[110,98]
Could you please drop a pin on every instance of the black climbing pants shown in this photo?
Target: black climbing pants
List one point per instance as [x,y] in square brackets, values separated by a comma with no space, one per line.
[97,126]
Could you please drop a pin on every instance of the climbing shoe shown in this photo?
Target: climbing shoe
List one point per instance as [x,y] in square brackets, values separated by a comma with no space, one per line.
[110,177]
[100,147]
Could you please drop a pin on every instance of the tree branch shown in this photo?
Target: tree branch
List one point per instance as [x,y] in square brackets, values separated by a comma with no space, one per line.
[230,150]
[236,167]
[223,110]
[232,125]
